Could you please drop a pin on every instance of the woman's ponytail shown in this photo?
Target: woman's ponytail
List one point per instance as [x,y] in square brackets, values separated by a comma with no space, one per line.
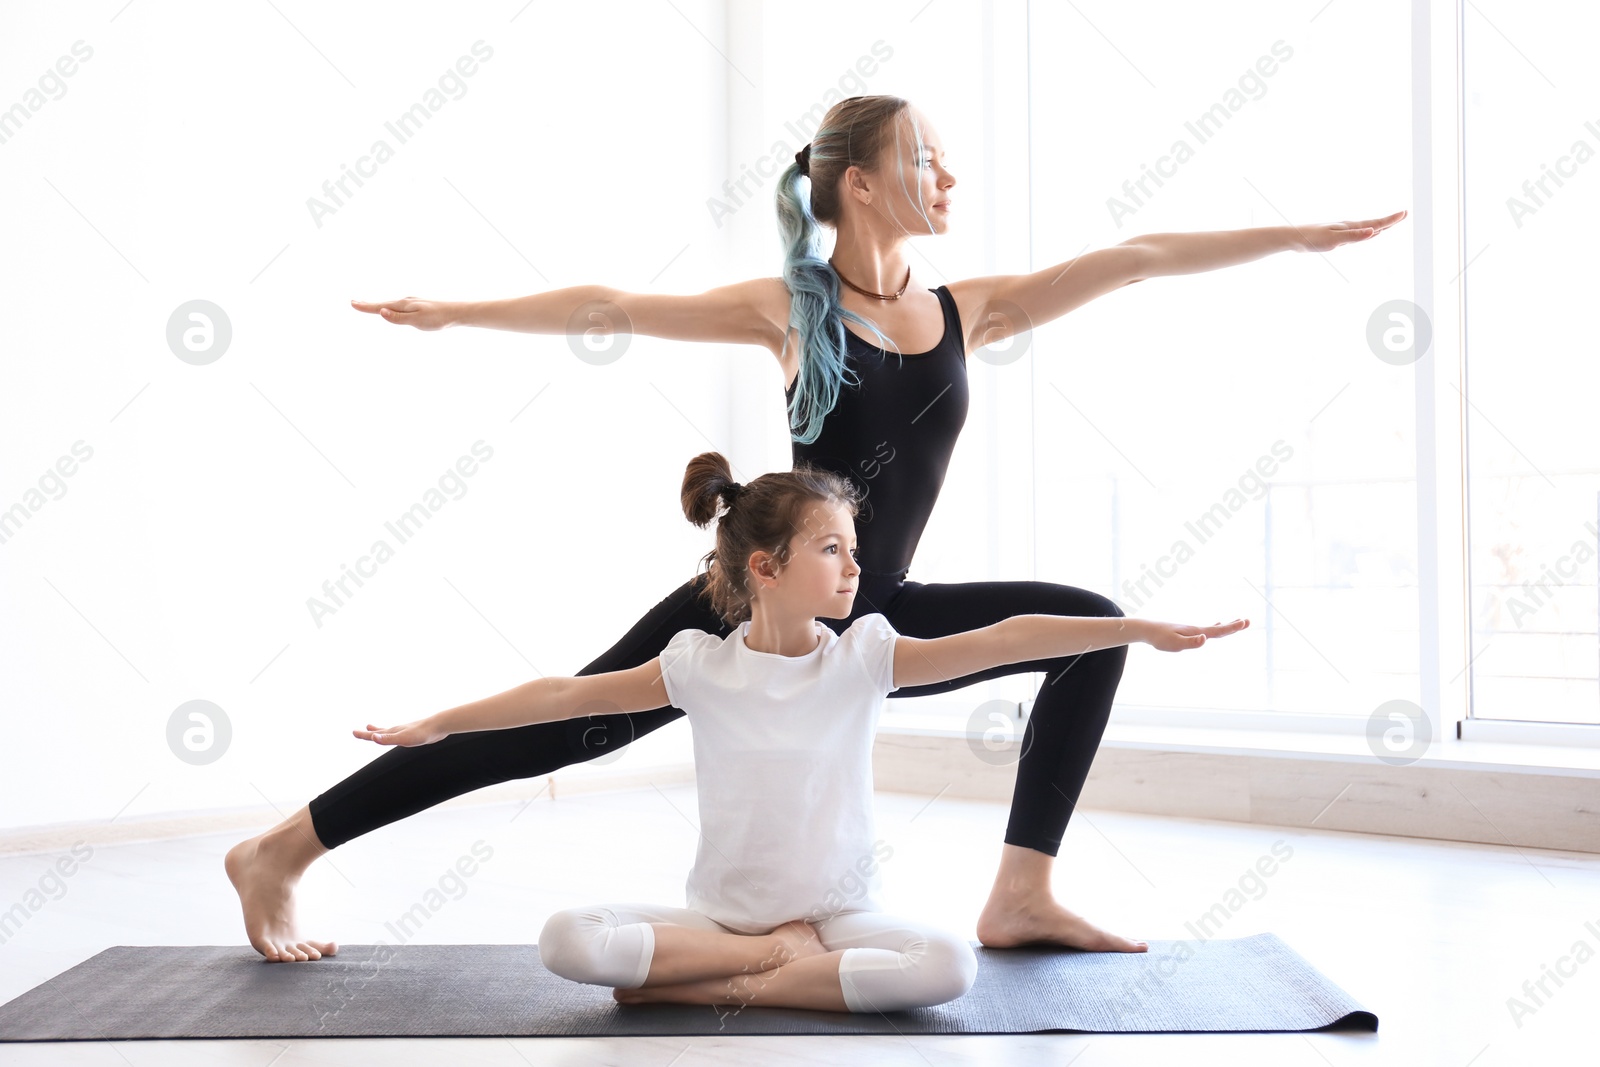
[852,133]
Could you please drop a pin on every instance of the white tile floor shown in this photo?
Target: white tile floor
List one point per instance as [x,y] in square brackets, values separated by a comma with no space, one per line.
[1433,936]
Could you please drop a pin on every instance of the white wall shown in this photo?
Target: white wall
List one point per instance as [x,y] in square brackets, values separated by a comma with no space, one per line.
[208,503]
[175,563]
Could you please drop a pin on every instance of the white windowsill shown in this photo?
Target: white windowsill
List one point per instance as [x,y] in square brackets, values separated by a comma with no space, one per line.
[1295,737]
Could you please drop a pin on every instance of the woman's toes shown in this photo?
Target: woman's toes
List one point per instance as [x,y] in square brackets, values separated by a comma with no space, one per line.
[295,952]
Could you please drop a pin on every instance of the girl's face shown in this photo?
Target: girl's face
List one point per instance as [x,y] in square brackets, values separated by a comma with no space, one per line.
[821,576]
[917,188]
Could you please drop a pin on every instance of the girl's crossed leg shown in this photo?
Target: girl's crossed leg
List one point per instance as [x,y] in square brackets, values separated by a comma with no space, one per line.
[858,961]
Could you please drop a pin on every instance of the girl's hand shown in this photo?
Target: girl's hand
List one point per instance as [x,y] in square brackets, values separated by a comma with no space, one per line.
[422,732]
[1331,235]
[1175,637]
[423,314]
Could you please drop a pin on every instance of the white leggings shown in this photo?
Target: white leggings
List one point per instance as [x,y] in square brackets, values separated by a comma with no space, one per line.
[889,964]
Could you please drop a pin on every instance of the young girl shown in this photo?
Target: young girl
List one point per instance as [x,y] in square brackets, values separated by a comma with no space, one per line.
[783,900]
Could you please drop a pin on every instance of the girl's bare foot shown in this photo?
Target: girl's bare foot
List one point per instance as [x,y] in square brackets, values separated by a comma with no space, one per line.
[812,982]
[705,991]
[264,871]
[797,939]
[793,941]
[1022,911]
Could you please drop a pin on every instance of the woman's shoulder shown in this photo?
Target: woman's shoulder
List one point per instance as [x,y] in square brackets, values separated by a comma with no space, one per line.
[770,299]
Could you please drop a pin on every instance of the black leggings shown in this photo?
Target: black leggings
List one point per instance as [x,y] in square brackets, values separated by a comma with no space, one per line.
[1058,744]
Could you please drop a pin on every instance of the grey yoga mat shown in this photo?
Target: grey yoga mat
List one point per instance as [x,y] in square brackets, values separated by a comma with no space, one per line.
[1246,984]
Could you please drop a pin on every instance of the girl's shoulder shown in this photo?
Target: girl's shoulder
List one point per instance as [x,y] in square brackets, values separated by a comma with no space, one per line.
[681,661]
[874,623]
[687,639]
[868,632]
[870,644]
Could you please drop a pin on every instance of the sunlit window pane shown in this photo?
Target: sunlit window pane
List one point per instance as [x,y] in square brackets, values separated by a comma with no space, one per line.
[1229,443]
[1532,213]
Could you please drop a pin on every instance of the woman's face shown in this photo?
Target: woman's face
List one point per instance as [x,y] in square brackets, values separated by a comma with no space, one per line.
[916,189]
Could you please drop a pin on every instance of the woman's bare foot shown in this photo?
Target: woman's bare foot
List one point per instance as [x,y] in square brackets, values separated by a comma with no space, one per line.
[264,871]
[1022,911]
[1028,922]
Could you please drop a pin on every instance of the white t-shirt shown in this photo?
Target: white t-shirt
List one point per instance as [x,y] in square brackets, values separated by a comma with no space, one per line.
[783,766]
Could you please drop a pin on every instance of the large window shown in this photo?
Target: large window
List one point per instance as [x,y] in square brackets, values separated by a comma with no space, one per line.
[1532,187]
[1232,443]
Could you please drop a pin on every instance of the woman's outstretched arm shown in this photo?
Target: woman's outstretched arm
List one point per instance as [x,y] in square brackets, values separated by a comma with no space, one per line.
[1191,253]
[748,312]
[1003,305]
[1023,638]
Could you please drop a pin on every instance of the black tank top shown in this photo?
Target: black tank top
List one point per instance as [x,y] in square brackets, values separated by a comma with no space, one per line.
[893,434]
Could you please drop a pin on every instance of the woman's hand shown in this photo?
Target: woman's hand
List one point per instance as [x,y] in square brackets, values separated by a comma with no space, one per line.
[409,311]
[422,732]
[1332,235]
[1175,637]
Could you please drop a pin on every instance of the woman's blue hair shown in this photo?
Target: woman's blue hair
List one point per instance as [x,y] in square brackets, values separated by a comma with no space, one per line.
[852,133]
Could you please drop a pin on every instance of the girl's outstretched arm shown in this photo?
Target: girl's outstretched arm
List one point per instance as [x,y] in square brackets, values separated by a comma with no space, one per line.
[542,700]
[1022,638]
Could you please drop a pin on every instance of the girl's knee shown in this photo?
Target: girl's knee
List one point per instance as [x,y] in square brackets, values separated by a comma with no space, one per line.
[563,943]
[594,946]
[943,968]
[952,968]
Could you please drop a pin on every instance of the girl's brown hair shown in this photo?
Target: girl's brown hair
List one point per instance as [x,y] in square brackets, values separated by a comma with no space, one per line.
[762,516]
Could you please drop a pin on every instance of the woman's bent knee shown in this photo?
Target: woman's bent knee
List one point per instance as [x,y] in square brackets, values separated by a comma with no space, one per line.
[1099,605]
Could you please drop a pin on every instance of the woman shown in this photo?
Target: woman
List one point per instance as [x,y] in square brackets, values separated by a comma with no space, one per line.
[875,173]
